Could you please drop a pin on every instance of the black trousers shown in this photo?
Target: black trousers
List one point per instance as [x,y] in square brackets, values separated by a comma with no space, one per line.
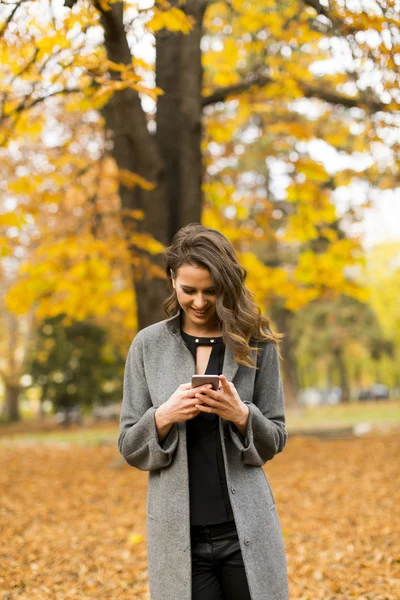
[217,564]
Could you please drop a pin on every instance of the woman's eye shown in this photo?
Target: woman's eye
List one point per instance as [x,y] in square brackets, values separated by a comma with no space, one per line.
[210,293]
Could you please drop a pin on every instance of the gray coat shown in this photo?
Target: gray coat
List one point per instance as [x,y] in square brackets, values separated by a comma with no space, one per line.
[157,363]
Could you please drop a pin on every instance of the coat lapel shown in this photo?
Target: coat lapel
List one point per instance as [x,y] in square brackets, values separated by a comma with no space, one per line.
[230,365]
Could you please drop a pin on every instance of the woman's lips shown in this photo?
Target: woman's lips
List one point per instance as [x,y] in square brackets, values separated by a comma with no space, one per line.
[202,313]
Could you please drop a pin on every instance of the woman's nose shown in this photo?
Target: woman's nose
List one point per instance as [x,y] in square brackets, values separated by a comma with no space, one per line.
[200,302]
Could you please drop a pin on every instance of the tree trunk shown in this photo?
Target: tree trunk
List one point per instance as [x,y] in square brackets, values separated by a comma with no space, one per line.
[191,73]
[171,159]
[343,375]
[12,405]
[283,317]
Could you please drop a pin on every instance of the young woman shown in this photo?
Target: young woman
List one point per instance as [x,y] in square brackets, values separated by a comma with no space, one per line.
[213,531]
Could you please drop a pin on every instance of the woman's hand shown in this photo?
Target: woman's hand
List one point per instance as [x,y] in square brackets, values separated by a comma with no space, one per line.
[181,406]
[226,403]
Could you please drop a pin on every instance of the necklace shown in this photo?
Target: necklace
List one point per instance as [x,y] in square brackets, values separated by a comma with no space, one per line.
[203,340]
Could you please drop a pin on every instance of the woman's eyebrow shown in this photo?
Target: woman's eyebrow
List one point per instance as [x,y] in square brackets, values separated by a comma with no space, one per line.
[192,288]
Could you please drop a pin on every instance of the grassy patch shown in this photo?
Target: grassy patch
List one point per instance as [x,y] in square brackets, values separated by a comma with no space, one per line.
[343,414]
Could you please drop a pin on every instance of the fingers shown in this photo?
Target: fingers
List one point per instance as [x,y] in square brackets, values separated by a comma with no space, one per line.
[206,409]
[225,384]
[205,398]
[191,392]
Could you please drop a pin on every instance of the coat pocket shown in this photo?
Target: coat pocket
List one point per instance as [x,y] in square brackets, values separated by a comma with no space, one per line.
[153,493]
[271,502]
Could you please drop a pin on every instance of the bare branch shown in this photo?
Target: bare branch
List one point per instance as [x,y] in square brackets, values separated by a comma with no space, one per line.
[24,106]
[360,101]
[338,25]
[10,17]
[367,100]
[321,10]
[220,94]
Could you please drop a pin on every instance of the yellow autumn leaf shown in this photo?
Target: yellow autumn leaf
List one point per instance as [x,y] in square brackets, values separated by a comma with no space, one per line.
[104,5]
[145,241]
[136,214]
[173,19]
[135,538]
[5,249]
[130,180]
[11,219]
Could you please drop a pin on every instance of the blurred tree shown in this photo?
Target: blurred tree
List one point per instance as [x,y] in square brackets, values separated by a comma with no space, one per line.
[63,250]
[76,365]
[14,344]
[326,328]
[382,279]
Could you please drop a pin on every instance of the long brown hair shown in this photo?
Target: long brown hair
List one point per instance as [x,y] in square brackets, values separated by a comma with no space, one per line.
[239,316]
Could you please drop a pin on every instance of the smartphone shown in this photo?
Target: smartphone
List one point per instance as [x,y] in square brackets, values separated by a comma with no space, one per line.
[204,379]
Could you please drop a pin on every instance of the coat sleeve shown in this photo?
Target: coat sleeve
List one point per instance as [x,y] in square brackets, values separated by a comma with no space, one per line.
[138,440]
[266,433]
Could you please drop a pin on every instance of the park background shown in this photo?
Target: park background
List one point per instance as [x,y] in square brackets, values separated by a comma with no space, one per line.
[273,122]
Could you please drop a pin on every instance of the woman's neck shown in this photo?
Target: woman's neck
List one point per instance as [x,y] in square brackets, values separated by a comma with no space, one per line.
[191,329]
[203,334]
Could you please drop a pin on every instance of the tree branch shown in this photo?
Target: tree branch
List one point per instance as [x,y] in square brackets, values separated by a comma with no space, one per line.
[338,25]
[24,106]
[220,94]
[331,96]
[309,91]
[27,106]
[10,17]
[317,6]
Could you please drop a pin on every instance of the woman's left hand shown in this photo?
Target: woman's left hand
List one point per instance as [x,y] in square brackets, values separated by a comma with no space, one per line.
[226,403]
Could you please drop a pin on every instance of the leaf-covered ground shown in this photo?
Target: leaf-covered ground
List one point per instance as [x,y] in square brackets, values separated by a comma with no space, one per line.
[73,520]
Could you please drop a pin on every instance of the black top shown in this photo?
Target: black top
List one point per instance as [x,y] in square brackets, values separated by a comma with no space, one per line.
[209,498]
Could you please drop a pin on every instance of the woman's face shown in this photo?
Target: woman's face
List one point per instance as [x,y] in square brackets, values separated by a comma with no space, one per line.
[195,292]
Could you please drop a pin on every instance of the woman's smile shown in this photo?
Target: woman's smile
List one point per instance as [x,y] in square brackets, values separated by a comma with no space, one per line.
[200,313]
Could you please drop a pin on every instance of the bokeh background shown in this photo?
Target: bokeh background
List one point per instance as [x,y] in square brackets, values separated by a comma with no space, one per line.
[274,122]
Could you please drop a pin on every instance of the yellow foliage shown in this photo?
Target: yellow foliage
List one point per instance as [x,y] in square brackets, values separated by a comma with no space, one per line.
[21,296]
[145,241]
[46,44]
[12,219]
[221,134]
[314,171]
[173,19]
[218,193]
[299,229]
[300,297]
[229,77]
[330,234]
[28,126]
[5,248]
[231,51]
[136,214]
[382,280]
[130,180]
[104,5]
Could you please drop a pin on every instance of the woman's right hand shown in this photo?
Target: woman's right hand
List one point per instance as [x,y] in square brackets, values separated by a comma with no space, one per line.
[181,405]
